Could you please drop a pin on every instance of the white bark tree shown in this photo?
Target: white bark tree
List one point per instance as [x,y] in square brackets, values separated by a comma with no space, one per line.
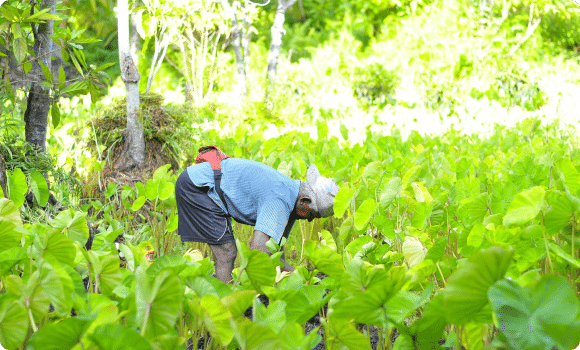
[278,32]
[134,148]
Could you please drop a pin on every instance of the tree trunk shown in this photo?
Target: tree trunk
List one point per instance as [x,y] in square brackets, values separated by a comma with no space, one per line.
[247,30]
[38,104]
[277,34]
[3,178]
[135,38]
[134,150]
[236,43]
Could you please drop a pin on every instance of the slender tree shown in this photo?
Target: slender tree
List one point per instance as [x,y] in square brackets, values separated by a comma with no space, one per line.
[134,149]
[38,103]
[237,44]
[277,31]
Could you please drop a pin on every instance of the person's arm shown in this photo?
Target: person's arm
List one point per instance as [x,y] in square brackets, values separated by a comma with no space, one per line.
[258,242]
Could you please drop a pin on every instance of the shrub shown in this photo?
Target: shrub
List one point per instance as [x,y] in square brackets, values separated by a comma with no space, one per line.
[514,88]
[374,85]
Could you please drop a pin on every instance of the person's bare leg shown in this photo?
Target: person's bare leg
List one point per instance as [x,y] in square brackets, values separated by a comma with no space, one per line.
[258,242]
[224,256]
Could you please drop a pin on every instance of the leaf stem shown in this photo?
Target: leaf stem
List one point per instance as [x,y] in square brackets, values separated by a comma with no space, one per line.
[146,319]
[238,278]
[32,323]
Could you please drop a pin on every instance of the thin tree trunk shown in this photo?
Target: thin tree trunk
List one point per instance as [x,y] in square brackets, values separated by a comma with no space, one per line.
[158,57]
[247,29]
[134,149]
[135,38]
[38,104]
[236,43]
[3,178]
[275,45]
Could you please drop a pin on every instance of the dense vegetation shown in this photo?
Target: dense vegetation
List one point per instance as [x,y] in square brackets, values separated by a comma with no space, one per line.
[450,230]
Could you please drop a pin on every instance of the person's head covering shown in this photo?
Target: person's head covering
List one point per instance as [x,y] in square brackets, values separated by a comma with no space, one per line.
[323,191]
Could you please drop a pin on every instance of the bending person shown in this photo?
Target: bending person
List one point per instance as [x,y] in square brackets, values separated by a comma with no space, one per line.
[254,194]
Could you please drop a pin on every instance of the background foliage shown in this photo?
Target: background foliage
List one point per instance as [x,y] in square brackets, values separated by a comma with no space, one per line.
[449,230]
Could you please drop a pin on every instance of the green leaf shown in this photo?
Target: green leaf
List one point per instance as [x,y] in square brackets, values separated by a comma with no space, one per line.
[17,187]
[391,191]
[55,115]
[20,49]
[39,187]
[530,319]
[570,176]
[61,247]
[346,334]
[436,252]
[75,227]
[414,251]
[342,201]
[116,337]
[256,266]
[273,316]
[251,335]
[292,337]
[322,129]
[14,321]
[61,79]
[57,284]
[158,302]
[104,66]
[429,328]
[560,212]
[364,292]
[217,319]
[152,189]
[9,212]
[238,302]
[364,213]
[47,74]
[108,273]
[556,249]
[10,238]
[76,88]
[63,335]
[10,257]
[324,258]
[465,297]
[344,132]
[525,206]
[138,203]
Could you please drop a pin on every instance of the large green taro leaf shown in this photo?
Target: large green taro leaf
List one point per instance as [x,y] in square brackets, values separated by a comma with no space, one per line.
[292,337]
[365,289]
[17,187]
[251,335]
[13,322]
[559,214]
[74,225]
[39,187]
[525,206]
[428,330]
[9,212]
[256,266]
[324,258]
[158,301]
[364,213]
[543,317]
[216,317]
[465,297]
[116,337]
[63,335]
[340,331]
